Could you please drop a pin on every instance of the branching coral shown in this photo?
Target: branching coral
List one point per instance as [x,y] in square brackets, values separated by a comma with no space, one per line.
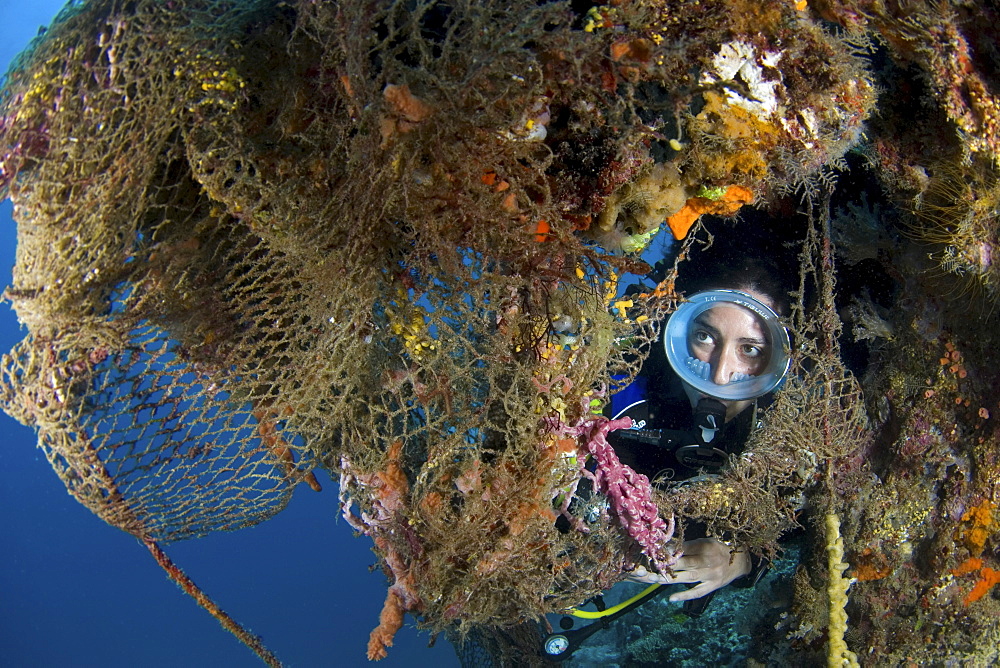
[387,490]
[629,493]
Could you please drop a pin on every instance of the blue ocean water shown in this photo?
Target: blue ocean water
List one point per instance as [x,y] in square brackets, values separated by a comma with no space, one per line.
[76,592]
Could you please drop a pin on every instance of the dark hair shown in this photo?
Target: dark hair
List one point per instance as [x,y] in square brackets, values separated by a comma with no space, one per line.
[752,255]
[740,273]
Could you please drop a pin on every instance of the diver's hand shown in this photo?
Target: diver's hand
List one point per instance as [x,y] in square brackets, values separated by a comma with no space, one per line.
[706,561]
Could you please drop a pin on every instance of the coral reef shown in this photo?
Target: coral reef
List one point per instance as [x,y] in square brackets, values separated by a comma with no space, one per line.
[386,239]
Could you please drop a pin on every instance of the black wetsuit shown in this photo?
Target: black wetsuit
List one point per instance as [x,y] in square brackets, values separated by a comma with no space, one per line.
[663,407]
[664,427]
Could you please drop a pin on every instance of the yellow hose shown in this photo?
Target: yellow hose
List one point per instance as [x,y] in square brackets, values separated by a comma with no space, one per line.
[587,614]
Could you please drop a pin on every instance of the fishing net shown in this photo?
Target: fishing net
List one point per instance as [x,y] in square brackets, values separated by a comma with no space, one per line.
[384,239]
[818,416]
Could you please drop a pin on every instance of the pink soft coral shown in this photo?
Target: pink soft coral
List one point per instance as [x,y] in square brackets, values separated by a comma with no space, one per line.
[629,493]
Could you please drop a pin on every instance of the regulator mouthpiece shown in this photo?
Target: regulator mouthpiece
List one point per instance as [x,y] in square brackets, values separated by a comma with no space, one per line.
[709,416]
[718,323]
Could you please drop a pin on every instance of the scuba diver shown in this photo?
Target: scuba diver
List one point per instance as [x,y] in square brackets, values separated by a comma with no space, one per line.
[693,406]
[696,400]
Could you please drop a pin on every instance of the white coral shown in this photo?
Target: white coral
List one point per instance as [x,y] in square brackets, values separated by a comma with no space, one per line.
[740,63]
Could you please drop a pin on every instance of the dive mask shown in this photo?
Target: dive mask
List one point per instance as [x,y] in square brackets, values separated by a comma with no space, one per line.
[695,316]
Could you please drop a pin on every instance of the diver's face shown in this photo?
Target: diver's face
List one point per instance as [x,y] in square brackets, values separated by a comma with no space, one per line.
[733,341]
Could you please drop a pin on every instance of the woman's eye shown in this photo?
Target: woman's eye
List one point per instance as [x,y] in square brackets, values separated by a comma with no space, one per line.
[701,336]
[750,351]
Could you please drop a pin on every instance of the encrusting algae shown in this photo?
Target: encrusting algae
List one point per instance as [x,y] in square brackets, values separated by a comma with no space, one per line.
[390,240]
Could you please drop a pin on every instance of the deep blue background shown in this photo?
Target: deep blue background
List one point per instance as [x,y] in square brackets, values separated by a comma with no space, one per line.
[76,592]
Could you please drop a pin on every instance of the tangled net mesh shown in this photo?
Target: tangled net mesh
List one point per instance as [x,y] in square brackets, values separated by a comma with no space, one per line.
[256,238]
[818,416]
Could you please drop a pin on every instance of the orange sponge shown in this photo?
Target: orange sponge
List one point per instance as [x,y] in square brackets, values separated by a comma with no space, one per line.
[727,205]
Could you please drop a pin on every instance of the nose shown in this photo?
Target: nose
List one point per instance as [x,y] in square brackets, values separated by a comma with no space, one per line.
[725,364]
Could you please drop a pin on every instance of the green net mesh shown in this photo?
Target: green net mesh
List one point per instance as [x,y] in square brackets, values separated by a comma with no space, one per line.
[384,239]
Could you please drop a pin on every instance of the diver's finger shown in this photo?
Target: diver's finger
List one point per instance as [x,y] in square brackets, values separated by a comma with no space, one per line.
[649,578]
[694,592]
[690,562]
[682,577]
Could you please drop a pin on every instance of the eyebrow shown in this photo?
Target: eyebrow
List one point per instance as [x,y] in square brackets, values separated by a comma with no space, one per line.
[759,342]
[704,325]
